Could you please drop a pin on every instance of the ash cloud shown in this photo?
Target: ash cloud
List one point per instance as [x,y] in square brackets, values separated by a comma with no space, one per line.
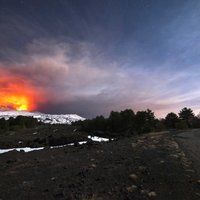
[67,80]
[73,77]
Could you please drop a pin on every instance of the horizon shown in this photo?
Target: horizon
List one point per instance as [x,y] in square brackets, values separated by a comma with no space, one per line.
[91,57]
[157,117]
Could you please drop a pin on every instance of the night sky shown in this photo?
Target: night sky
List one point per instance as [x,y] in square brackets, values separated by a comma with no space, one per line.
[92,56]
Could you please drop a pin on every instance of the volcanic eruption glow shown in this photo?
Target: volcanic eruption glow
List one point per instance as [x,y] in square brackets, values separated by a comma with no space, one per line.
[17,93]
[16,102]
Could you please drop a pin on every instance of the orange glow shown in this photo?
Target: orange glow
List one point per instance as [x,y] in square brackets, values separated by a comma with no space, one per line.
[17,93]
[16,102]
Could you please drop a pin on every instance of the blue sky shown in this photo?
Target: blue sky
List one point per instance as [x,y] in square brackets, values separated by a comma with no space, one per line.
[91,56]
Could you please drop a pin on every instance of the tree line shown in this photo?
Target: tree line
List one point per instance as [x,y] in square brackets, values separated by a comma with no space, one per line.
[20,122]
[127,122]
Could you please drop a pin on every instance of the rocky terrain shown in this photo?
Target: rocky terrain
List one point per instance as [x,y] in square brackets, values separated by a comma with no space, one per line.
[190,142]
[151,166]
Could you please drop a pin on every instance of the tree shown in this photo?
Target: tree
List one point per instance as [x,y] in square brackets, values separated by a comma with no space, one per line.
[128,118]
[145,121]
[100,123]
[196,122]
[187,115]
[4,125]
[171,120]
[115,122]
[160,125]
[182,125]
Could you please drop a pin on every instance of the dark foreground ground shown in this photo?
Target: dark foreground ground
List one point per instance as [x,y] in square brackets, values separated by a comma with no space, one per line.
[151,166]
[190,142]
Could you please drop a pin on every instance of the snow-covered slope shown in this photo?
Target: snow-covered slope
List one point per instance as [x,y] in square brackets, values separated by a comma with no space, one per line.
[46,118]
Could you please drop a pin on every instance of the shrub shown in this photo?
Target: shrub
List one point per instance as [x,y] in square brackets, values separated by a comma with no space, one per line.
[20,122]
[182,125]
[171,120]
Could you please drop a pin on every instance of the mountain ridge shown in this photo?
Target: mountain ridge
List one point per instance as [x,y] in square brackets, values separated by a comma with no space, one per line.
[42,117]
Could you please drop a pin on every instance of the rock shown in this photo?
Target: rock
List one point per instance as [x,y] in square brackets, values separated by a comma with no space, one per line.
[132,188]
[198,181]
[152,194]
[133,177]
[27,184]
[174,155]
[144,191]
[162,161]
[133,145]
[190,170]
[93,166]
[152,146]
[198,194]
[53,178]
[58,194]
[142,168]
[140,141]
[186,165]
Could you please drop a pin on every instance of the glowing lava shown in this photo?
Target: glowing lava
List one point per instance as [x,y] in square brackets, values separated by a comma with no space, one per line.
[17,93]
[15,102]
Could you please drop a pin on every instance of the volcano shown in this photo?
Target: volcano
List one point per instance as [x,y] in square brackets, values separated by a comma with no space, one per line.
[45,118]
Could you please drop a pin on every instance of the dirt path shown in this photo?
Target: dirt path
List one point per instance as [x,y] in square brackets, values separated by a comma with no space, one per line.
[190,143]
[147,167]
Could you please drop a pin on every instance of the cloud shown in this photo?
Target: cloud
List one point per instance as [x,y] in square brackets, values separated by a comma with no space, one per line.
[17,92]
[49,66]
[71,77]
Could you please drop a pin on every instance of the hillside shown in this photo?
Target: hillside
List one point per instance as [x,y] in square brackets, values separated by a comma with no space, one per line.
[45,118]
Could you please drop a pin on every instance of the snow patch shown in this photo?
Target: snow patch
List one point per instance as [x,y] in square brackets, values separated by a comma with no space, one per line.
[45,118]
[25,149]
[83,142]
[29,149]
[98,139]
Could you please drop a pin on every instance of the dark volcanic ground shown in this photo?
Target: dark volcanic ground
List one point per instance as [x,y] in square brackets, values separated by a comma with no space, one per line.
[147,167]
[190,142]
